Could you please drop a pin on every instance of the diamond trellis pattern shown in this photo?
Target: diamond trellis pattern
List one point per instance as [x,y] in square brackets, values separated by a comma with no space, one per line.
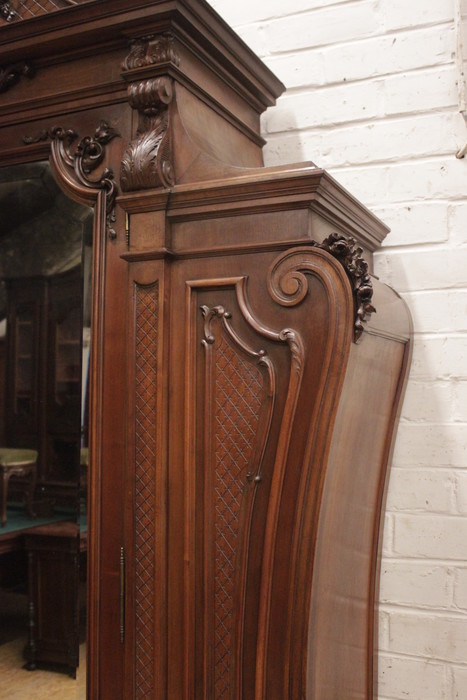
[146,392]
[26,9]
[238,391]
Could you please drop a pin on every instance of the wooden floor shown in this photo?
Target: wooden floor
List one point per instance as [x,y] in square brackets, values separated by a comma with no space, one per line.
[18,684]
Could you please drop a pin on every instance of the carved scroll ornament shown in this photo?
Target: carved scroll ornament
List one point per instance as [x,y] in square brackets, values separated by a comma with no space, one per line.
[77,168]
[288,284]
[147,162]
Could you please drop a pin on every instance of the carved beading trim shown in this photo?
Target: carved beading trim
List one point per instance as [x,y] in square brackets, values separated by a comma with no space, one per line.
[77,168]
[147,162]
[346,251]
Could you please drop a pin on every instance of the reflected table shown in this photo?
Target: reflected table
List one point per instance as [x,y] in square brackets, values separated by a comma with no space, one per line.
[19,463]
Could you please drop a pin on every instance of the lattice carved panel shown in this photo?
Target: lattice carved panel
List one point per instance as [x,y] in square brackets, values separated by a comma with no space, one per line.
[237,416]
[147,311]
[238,391]
[16,10]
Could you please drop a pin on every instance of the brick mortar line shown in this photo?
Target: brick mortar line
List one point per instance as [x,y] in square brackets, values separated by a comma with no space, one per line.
[257,24]
[431,68]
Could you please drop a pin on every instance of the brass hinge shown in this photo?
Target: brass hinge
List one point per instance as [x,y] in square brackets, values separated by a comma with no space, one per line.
[122,595]
[127,229]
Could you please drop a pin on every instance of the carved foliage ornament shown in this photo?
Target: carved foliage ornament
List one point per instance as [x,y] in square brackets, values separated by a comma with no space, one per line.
[350,256]
[151,50]
[289,287]
[84,161]
[147,162]
[11,75]
[8,12]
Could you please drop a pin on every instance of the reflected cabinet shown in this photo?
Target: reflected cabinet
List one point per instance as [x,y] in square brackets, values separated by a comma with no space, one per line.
[245,371]
[43,371]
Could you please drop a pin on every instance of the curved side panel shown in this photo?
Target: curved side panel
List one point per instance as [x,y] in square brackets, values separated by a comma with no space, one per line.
[342,629]
[320,304]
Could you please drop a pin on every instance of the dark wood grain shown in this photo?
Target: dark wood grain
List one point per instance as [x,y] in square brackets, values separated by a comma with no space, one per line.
[240,437]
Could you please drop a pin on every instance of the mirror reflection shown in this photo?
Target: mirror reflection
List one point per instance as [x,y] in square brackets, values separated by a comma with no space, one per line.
[45,287]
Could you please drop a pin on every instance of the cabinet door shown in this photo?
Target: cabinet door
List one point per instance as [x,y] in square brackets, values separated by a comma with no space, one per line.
[227,403]
[230,378]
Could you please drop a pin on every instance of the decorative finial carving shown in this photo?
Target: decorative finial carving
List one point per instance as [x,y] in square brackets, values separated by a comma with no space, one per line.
[11,75]
[86,159]
[346,251]
[147,162]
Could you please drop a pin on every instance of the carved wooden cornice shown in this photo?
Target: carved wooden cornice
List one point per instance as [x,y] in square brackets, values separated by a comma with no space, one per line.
[148,162]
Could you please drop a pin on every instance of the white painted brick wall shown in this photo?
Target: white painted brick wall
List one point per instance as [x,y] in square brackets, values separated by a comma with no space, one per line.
[372,96]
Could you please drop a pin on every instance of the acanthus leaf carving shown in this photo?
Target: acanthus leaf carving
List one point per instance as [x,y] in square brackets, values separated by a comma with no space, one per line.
[294,341]
[147,161]
[79,167]
[150,50]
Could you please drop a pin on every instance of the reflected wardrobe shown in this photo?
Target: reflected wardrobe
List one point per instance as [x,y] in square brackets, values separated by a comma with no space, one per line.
[235,380]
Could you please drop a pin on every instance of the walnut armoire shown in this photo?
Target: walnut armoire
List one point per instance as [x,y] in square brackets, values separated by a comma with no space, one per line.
[247,367]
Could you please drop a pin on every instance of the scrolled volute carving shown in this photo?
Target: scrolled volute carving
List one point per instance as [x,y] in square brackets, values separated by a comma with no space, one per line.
[79,166]
[288,283]
[149,97]
[147,161]
[219,312]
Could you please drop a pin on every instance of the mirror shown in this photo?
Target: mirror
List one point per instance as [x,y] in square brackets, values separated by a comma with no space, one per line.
[45,302]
